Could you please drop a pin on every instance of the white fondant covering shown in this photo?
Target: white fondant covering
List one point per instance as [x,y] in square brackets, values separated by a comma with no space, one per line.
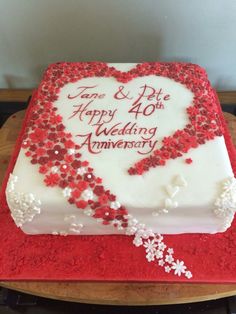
[141,195]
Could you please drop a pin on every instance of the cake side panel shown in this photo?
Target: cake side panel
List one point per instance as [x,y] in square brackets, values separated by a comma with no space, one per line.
[17,147]
[231,149]
[57,214]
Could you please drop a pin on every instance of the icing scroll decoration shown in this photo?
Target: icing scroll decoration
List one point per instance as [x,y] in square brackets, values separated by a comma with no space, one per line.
[24,206]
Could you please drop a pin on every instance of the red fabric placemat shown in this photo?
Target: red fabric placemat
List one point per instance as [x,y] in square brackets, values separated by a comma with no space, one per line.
[211,258]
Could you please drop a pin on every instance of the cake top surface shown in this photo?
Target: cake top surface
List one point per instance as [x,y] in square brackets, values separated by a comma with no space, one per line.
[127,119]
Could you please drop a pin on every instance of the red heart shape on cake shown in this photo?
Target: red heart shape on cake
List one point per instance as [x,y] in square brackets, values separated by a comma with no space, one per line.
[139,94]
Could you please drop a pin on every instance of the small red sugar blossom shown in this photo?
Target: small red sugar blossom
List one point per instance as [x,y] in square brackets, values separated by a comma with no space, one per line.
[188,161]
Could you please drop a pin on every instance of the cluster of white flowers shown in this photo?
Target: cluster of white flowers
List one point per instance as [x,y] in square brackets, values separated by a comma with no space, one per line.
[139,231]
[226,202]
[156,249]
[225,205]
[24,206]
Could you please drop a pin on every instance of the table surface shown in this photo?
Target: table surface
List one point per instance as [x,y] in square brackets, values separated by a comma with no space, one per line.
[102,292]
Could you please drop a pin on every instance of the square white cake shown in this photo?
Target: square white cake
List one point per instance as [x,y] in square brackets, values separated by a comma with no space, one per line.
[123,149]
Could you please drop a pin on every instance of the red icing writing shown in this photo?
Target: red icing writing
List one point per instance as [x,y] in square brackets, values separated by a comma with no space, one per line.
[95,147]
[128,129]
[94,115]
[82,94]
[148,93]
[121,95]
[112,136]
[145,110]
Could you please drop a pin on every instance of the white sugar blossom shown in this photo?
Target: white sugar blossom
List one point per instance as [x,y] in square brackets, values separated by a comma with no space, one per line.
[161,262]
[150,233]
[137,241]
[169,259]
[88,212]
[131,230]
[115,205]
[76,226]
[229,184]
[160,211]
[75,230]
[143,232]
[150,256]
[81,171]
[117,223]
[141,227]
[150,245]
[61,233]
[11,183]
[71,151]
[161,246]
[67,192]
[54,169]
[140,232]
[188,274]
[132,221]
[87,195]
[167,269]
[170,251]
[159,254]
[178,267]
[159,238]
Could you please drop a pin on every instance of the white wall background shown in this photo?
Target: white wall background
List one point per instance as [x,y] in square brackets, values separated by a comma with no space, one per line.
[34,33]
